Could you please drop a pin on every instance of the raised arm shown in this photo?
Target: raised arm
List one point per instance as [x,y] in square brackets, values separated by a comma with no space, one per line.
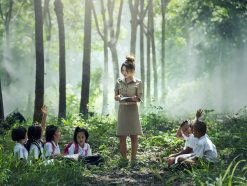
[44,111]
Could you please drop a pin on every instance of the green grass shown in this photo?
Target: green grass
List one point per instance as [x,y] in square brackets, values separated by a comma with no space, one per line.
[227,131]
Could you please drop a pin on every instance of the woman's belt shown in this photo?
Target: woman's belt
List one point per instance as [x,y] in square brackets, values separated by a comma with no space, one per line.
[128,103]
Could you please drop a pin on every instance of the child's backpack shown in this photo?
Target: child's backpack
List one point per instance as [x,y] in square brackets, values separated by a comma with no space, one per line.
[36,143]
[66,149]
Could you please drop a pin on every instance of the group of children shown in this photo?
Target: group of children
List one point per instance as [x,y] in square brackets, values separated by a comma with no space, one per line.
[197,143]
[29,142]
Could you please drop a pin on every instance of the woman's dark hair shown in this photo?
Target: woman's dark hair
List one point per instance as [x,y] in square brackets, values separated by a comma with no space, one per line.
[77,130]
[49,132]
[18,133]
[129,63]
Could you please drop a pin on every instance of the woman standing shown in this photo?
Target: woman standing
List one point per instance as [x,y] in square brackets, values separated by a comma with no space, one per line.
[128,92]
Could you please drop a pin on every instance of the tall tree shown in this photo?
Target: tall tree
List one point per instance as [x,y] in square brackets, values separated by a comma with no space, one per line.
[108,29]
[141,16]
[142,48]
[163,81]
[62,66]
[86,58]
[148,69]
[39,83]
[6,17]
[47,29]
[134,23]
[114,35]
[104,37]
[151,28]
[1,103]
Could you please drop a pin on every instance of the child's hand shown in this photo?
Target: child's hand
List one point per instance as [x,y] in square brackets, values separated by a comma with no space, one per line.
[171,160]
[44,110]
[199,113]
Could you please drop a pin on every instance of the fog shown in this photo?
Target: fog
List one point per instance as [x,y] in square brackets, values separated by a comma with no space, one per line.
[189,84]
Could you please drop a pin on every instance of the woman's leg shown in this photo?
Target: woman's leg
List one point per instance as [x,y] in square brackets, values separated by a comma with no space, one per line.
[123,146]
[134,146]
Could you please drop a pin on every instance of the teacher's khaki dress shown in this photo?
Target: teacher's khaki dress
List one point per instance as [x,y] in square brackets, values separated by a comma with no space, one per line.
[128,117]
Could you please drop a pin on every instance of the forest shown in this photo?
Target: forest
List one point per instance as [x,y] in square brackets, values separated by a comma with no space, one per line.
[68,55]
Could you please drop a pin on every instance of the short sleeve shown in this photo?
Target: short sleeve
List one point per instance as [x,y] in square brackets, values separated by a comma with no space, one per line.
[71,149]
[21,154]
[139,89]
[34,151]
[89,153]
[116,89]
[48,149]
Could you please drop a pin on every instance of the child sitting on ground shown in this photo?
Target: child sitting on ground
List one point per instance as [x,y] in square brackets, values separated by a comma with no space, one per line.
[52,136]
[204,147]
[19,135]
[34,144]
[184,132]
[80,147]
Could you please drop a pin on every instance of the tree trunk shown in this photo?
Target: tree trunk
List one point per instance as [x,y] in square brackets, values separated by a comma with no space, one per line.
[114,35]
[39,84]
[62,66]
[134,24]
[142,50]
[7,57]
[86,59]
[163,81]
[148,72]
[151,12]
[1,103]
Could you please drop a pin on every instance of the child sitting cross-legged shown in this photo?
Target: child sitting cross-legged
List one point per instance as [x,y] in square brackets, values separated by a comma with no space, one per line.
[203,148]
[52,136]
[81,147]
[185,132]
[19,135]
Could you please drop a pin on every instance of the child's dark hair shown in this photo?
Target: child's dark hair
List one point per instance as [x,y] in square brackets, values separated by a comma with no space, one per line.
[18,133]
[34,133]
[185,122]
[77,130]
[200,126]
[49,133]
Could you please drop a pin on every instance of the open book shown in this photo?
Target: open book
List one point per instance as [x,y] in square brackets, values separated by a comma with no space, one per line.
[72,156]
[128,99]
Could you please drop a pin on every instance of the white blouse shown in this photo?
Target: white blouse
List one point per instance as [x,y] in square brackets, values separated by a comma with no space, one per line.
[34,150]
[85,151]
[20,152]
[51,148]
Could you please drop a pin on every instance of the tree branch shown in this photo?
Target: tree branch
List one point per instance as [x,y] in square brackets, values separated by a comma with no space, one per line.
[96,22]
[119,21]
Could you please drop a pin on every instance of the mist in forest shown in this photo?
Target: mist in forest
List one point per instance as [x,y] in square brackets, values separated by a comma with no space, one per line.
[189,84]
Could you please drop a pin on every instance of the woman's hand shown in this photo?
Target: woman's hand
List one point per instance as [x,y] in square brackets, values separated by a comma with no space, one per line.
[135,98]
[117,97]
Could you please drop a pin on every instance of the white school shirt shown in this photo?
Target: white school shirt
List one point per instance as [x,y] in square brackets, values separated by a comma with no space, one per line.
[190,142]
[48,149]
[85,151]
[34,150]
[205,148]
[20,152]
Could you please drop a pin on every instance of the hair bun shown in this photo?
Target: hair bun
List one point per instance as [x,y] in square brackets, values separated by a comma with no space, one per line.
[130,59]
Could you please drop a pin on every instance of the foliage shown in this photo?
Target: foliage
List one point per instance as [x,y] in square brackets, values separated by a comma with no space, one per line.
[227,131]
